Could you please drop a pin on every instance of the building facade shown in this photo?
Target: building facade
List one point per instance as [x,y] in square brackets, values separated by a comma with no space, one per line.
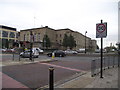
[8,36]
[56,38]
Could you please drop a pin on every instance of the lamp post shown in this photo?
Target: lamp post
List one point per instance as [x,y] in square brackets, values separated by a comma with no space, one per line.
[85,41]
[31,38]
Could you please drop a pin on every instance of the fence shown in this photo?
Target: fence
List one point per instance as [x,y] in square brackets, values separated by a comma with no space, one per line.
[16,57]
[108,62]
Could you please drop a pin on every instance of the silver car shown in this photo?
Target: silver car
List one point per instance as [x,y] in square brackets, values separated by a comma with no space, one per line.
[26,54]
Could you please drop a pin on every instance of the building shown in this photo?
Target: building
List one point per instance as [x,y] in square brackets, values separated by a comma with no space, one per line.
[56,38]
[38,34]
[79,38]
[8,36]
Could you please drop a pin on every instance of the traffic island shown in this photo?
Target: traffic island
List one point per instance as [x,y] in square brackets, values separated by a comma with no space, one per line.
[25,61]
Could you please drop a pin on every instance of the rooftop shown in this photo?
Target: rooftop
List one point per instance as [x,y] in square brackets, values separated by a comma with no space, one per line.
[6,27]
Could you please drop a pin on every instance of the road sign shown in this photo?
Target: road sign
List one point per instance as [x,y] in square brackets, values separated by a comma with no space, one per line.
[101,30]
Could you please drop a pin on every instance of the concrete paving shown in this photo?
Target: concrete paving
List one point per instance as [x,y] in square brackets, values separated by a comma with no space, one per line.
[109,80]
[24,61]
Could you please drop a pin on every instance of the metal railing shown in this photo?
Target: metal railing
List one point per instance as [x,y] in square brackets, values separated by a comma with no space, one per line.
[108,62]
[16,57]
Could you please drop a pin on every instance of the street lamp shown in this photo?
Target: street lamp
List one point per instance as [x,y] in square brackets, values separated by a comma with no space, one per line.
[31,45]
[85,41]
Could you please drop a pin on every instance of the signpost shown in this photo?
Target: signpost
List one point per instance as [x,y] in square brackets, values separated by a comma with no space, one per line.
[31,44]
[101,32]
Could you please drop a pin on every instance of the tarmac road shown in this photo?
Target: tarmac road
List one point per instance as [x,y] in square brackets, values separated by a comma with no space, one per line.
[36,75]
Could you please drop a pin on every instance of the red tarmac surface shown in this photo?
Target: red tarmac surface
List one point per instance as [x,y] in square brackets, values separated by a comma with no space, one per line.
[10,82]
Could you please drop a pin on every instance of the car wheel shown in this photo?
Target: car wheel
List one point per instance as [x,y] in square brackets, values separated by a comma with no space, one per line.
[60,55]
[49,55]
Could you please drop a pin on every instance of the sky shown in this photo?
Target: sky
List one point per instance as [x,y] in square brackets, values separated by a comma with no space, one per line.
[77,15]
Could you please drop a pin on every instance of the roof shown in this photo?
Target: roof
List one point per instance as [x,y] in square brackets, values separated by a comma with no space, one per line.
[37,28]
[6,27]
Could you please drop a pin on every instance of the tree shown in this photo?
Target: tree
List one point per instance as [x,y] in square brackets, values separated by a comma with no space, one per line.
[72,42]
[65,41]
[46,41]
[110,48]
[69,41]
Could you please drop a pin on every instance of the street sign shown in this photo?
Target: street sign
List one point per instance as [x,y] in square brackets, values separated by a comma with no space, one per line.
[101,30]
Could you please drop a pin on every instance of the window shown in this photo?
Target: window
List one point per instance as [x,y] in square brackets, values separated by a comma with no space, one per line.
[12,35]
[60,41]
[56,35]
[38,36]
[4,34]
[60,35]
[27,37]
[24,37]
[35,37]
[17,35]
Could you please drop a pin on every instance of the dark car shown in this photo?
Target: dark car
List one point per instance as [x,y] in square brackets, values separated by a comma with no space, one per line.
[57,53]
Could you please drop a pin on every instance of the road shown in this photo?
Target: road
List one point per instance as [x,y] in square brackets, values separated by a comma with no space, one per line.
[6,57]
[37,75]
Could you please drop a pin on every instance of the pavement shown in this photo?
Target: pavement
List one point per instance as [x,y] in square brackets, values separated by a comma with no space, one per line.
[109,80]
[24,61]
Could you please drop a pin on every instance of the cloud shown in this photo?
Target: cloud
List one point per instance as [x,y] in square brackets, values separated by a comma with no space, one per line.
[78,15]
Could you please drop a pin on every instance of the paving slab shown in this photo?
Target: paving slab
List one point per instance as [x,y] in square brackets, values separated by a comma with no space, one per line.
[109,80]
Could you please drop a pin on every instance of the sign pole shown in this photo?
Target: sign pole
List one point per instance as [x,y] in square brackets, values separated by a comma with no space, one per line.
[101,32]
[101,72]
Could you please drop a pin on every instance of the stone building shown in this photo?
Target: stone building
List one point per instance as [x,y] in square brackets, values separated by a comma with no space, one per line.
[79,38]
[8,36]
[56,38]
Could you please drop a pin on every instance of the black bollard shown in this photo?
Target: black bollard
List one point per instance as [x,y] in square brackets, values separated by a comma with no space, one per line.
[51,78]
[13,56]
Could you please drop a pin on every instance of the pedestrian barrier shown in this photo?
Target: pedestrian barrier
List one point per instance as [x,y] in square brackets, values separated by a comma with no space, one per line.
[108,62]
[16,57]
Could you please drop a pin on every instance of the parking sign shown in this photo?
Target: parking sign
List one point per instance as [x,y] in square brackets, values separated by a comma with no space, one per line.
[101,30]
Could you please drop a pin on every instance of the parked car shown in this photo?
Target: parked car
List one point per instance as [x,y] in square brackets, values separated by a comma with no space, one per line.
[81,50]
[57,53]
[70,52]
[97,51]
[26,54]
[3,50]
[39,50]
[10,50]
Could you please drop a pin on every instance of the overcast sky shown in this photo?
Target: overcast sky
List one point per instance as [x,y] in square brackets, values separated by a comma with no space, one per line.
[77,15]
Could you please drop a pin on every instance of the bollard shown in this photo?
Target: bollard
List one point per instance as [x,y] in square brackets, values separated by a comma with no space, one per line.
[53,55]
[108,61]
[13,56]
[113,61]
[104,63]
[118,60]
[51,78]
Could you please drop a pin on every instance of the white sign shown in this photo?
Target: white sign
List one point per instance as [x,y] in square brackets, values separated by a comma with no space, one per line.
[101,30]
